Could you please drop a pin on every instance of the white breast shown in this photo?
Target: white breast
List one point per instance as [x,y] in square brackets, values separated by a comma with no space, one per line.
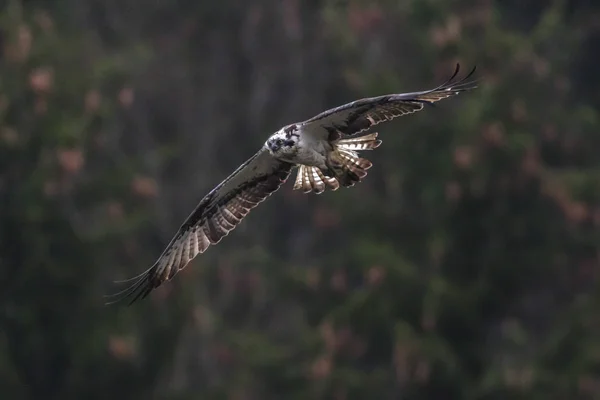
[312,149]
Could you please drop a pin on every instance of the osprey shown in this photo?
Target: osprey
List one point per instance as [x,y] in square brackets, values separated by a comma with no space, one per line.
[323,148]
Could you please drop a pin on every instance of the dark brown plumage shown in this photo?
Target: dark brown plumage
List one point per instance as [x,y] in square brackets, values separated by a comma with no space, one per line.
[217,214]
[360,115]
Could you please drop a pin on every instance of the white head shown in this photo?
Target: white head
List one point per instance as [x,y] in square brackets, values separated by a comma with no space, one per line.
[283,143]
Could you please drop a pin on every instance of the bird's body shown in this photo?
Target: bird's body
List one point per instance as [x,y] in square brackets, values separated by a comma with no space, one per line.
[323,149]
[306,147]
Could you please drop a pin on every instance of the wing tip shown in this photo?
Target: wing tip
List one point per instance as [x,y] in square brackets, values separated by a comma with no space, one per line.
[138,290]
[460,85]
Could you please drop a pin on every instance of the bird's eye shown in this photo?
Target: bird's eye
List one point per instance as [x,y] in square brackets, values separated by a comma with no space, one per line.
[279,142]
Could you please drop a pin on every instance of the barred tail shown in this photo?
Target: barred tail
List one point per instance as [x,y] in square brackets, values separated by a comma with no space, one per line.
[367,142]
[347,167]
[344,165]
[312,179]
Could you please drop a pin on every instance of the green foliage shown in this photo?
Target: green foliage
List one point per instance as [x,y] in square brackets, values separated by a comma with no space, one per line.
[464,266]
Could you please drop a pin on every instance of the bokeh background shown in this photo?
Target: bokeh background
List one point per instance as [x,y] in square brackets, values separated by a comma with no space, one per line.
[464,267]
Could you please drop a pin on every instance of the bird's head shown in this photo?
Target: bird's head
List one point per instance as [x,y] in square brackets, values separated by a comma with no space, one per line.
[282,144]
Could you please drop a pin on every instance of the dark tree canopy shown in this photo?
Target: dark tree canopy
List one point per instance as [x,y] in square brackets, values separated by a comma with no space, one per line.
[465,266]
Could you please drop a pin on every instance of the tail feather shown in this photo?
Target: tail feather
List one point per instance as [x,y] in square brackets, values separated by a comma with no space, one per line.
[366,142]
[345,167]
[312,179]
[356,161]
[348,167]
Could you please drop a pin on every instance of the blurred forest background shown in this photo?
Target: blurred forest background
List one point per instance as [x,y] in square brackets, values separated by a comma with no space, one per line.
[464,267]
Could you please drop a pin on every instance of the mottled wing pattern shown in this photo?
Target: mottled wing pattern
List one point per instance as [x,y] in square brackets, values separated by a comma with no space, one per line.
[360,115]
[218,213]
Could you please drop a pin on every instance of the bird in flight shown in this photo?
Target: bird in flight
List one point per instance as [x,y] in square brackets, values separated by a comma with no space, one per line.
[322,148]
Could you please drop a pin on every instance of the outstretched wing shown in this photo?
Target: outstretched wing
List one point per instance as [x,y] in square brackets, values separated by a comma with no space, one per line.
[360,115]
[218,213]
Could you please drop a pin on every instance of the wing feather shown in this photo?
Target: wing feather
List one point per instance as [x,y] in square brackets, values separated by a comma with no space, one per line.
[217,214]
[360,115]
